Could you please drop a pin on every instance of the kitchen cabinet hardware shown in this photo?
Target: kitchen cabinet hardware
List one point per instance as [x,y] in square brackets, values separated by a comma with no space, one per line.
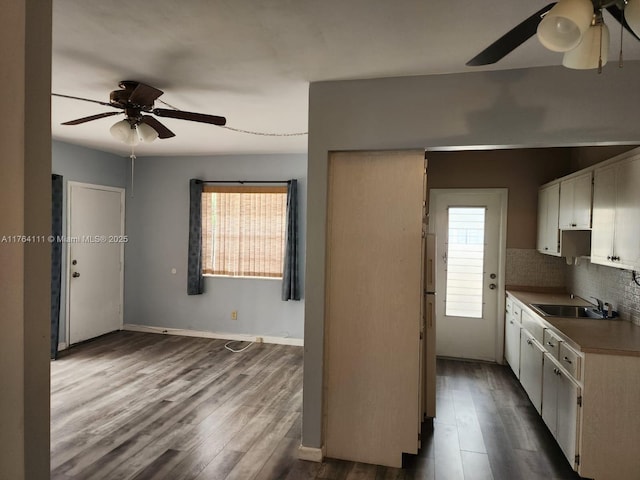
[568,360]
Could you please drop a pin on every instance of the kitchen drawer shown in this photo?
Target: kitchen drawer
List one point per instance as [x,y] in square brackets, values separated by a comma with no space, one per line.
[552,343]
[570,360]
[533,325]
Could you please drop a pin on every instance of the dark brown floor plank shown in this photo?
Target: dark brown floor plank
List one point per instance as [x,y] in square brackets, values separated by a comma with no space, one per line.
[303,470]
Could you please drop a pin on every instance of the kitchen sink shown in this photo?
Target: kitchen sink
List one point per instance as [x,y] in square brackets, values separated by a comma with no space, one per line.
[566,311]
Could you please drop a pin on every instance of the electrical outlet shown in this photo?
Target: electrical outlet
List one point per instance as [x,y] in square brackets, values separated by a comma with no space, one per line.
[234,315]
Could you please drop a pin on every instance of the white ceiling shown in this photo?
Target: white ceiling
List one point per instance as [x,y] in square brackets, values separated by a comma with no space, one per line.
[252,60]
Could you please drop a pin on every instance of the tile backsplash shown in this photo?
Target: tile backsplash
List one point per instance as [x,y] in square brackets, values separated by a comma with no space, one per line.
[608,284]
[528,268]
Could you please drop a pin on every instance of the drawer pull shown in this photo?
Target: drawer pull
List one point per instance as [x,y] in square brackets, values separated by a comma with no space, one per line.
[556,371]
[550,344]
[511,322]
[566,359]
[529,342]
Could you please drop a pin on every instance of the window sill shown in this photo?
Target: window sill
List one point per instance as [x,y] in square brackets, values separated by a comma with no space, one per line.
[209,275]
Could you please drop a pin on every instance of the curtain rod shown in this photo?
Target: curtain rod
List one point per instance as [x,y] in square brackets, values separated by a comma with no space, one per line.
[246,181]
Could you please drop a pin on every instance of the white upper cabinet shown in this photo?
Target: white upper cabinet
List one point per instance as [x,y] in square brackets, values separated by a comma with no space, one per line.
[575,203]
[548,209]
[616,214]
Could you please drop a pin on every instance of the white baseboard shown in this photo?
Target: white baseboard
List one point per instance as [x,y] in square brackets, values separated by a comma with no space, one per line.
[298,342]
[311,454]
[62,346]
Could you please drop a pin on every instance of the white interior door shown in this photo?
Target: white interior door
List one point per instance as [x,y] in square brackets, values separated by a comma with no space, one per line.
[470,226]
[95,257]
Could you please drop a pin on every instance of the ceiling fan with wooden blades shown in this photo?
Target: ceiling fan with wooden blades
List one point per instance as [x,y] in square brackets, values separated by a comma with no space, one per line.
[136,101]
[568,24]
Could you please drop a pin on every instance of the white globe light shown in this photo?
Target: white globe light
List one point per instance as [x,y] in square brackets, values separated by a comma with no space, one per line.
[562,27]
[125,132]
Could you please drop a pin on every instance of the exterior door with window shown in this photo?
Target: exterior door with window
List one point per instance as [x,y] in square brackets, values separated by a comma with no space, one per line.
[471,228]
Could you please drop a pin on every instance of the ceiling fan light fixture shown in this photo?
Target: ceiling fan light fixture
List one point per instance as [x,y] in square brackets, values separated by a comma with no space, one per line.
[147,133]
[587,55]
[125,132]
[632,15]
[563,26]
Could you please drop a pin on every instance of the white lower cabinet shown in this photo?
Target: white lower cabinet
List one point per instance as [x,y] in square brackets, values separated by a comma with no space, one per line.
[531,354]
[560,403]
[550,394]
[568,402]
[512,337]
[587,398]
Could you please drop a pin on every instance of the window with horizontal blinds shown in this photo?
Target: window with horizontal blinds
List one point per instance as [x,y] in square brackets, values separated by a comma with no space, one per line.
[243,230]
[465,262]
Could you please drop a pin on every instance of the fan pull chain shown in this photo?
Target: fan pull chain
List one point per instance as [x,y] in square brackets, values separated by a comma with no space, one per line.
[620,62]
[600,54]
[133,164]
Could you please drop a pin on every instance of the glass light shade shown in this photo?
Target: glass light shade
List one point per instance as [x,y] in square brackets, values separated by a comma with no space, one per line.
[124,132]
[562,27]
[587,54]
[147,133]
[632,15]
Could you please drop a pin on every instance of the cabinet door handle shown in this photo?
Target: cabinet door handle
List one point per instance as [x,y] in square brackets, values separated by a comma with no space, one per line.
[566,359]
[550,344]
[529,342]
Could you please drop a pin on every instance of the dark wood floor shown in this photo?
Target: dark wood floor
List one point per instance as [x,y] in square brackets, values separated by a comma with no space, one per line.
[147,406]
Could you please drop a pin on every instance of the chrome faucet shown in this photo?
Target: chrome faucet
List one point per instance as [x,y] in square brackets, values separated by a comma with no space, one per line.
[600,306]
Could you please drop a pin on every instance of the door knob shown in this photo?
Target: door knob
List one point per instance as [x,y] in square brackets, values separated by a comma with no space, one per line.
[492,286]
[75,275]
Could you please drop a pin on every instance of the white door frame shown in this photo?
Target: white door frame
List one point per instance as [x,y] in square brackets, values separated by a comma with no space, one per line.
[70,185]
[434,193]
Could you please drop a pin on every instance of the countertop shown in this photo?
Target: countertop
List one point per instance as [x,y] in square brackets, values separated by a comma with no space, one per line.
[607,337]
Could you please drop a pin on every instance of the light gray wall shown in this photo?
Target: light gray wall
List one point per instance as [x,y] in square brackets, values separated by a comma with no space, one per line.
[157,225]
[550,106]
[81,164]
